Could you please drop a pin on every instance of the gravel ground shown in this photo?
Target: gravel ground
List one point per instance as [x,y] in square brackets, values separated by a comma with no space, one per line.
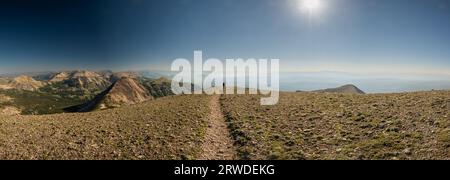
[169,128]
[342,126]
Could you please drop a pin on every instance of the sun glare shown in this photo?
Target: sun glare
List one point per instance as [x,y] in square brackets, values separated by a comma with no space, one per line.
[311,6]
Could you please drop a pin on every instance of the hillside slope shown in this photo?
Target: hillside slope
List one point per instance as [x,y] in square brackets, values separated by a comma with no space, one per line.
[25,83]
[160,87]
[84,80]
[126,91]
[167,128]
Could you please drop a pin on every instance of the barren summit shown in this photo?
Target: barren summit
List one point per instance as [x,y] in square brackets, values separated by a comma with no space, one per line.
[126,91]
[346,89]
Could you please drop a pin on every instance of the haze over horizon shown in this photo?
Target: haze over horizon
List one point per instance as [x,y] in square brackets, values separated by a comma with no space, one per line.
[369,39]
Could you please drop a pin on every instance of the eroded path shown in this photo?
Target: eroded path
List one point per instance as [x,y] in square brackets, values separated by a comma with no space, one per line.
[217,144]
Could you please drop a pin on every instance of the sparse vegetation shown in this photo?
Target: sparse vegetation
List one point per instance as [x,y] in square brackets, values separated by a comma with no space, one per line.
[63,90]
[35,102]
[157,87]
[305,125]
[341,126]
[169,128]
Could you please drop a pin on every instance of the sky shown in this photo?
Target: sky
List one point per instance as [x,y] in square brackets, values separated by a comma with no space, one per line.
[351,36]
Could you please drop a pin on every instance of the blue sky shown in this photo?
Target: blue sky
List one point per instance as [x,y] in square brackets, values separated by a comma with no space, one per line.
[355,36]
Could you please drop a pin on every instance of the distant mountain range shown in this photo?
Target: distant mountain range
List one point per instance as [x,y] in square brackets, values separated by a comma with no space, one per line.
[347,89]
[84,91]
[96,90]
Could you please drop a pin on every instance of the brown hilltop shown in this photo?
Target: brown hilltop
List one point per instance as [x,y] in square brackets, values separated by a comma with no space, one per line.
[25,83]
[347,89]
[127,88]
[126,91]
[58,77]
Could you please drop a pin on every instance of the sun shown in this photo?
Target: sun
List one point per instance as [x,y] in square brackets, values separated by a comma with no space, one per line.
[311,6]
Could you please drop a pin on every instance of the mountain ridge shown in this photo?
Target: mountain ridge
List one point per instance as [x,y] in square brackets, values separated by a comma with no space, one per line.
[125,91]
[23,82]
[345,89]
[80,91]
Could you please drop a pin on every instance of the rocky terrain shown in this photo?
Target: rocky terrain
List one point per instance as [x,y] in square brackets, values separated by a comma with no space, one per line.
[23,83]
[341,126]
[302,126]
[141,119]
[5,99]
[10,111]
[79,80]
[59,77]
[160,129]
[126,91]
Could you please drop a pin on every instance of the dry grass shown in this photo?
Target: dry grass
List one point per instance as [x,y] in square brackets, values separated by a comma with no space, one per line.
[338,126]
[169,128]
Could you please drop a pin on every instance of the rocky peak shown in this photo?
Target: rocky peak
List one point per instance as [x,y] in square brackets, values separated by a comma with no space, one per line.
[26,83]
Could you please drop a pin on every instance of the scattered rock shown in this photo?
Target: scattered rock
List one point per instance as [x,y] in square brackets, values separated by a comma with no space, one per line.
[407,151]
